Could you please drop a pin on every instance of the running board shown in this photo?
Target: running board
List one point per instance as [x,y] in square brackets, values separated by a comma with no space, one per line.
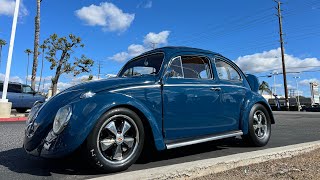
[206,139]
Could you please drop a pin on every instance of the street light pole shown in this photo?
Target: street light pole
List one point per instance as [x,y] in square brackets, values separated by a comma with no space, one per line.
[5,106]
[13,34]
[298,100]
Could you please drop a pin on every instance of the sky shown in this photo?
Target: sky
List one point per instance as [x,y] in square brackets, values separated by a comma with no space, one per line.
[114,31]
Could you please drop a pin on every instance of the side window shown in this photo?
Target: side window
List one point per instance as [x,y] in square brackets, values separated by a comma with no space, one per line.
[195,67]
[1,86]
[16,88]
[226,72]
[27,89]
[176,68]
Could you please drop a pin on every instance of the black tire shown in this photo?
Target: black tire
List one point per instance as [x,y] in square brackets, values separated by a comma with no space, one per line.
[101,154]
[254,138]
[21,110]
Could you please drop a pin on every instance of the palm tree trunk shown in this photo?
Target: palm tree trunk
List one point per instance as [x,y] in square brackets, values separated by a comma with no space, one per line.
[41,71]
[36,46]
[27,70]
[0,55]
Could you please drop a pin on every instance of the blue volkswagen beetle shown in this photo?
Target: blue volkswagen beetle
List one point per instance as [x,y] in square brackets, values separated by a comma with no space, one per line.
[169,97]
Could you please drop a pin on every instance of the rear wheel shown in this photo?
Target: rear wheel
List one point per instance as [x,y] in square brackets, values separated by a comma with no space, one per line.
[21,110]
[259,126]
[116,141]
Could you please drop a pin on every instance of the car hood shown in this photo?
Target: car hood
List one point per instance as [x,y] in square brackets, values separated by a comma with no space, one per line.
[110,84]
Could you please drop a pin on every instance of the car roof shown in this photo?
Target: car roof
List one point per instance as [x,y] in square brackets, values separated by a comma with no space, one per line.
[17,83]
[173,49]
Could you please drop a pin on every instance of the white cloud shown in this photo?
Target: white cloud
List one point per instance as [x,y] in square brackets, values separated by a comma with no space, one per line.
[157,39]
[306,82]
[132,51]
[120,57]
[145,4]
[107,15]
[7,8]
[136,49]
[11,79]
[271,60]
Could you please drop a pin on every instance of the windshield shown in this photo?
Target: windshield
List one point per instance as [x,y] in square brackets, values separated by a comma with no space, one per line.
[147,65]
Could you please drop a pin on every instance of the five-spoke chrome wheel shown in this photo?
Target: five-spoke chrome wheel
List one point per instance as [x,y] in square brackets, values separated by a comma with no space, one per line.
[118,139]
[260,124]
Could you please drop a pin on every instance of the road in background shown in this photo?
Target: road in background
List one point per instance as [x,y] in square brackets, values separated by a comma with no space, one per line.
[290,128]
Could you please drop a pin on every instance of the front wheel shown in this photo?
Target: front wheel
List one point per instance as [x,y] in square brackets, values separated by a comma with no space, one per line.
[259,126]
[116,141]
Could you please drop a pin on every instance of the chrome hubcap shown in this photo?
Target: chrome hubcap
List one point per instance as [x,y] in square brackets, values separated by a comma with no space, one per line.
[118,138]
[260,124]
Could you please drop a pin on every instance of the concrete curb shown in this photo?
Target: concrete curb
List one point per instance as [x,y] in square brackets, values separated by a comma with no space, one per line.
[214,165]
[13,119]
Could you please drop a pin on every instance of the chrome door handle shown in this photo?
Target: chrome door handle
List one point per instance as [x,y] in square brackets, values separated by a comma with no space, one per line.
[215,89]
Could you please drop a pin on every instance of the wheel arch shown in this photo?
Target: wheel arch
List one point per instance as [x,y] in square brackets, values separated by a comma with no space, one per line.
[145,122]
[246,112]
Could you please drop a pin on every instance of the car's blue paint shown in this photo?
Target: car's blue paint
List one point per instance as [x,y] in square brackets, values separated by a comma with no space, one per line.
[173,108]
[253,81]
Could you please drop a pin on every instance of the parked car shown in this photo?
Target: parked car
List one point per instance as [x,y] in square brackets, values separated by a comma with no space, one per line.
[313,108]
[22,96]
[168,97]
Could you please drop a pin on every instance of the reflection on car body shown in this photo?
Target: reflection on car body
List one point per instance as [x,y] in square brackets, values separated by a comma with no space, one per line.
[168,97]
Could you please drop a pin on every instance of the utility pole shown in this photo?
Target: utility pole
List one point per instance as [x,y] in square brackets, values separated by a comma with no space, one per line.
[99,69]
[282,57]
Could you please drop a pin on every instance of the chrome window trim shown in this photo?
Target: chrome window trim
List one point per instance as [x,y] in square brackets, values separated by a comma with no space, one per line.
[205,85]
[136,87]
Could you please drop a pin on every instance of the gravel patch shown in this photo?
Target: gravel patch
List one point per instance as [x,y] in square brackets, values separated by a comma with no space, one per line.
[304,166]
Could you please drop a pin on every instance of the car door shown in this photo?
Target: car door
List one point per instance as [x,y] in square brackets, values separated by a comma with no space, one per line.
[190,98]
[14,94]
[28,96]
[232,92]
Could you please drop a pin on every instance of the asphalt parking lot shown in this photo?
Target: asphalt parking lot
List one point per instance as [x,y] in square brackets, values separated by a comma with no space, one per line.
[290,128]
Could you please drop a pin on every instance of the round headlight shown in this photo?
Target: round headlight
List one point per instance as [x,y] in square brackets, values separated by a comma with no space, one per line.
[62,118]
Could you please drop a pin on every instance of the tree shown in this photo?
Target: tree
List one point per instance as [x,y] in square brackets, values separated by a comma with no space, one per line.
[264,86]
[2,43]
[63,47]
[43,47]
[36,45]
[28,52]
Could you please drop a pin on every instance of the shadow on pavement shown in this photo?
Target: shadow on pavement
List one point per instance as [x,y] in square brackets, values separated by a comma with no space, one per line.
[17,160]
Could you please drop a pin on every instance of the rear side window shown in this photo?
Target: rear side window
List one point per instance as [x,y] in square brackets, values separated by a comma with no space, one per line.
[226,71]
[15,88]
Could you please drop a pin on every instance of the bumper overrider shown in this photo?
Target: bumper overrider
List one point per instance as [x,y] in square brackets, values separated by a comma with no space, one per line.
[44,132]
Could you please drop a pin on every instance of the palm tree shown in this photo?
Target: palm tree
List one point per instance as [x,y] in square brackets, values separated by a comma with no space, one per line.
[264,86]
[28,51]
[2,43]
[36,46]
[43,47]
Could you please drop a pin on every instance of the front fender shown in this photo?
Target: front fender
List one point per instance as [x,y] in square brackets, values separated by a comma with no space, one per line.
[86,113]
